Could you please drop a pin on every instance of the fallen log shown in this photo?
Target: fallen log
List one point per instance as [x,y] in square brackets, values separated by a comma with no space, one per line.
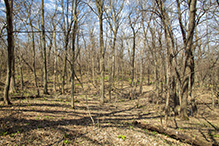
[173,134]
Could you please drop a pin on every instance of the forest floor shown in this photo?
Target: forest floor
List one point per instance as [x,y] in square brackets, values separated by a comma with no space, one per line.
[49,119]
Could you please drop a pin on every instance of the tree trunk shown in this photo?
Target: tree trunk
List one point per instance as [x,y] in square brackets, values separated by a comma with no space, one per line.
[12,86]
[55,62]
[45,90]
[141,69]
[133,58]
[9,9]
[189,60]
[99,5]
[34,62]
[73,53]
[21,76]
[174,134]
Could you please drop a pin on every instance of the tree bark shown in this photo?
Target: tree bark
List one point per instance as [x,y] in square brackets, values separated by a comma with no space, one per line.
[99,5]
[55,62]
[73,53]
[45,90]
[9,9]
[174,134]
[189,60]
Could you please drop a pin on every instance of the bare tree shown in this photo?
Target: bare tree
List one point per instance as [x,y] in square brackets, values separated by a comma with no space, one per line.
[99,5]
[9,13]
[188,67]
[45,90]
[132,24]
[113,11]
[73,51]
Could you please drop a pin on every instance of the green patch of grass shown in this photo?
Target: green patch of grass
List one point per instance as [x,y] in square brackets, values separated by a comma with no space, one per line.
[37,118]
[66,135]
[154,133]
[18,77]
[78,142]
[47,108]
[216,135]
[3,133]
[45,98]
[38,126]
[123,137]
[145,130]
[106,78]
[121,100]
[77,84]
[166,135]
[181,129]
[131,127]
[12,134]
[18,132]
[67,141]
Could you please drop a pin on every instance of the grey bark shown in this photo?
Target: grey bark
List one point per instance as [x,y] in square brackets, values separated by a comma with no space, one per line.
[9,12]
[45,89]
[73,53]
[99,5]
[188,68]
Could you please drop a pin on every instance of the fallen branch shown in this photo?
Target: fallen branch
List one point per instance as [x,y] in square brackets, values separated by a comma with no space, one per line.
[174,134]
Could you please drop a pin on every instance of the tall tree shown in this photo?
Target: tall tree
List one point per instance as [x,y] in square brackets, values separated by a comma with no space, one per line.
[132,23]
[9,13]
[67,25]
[45,90]
[114,18]
[73,51]
[189,66]
[168,32]
[99,5]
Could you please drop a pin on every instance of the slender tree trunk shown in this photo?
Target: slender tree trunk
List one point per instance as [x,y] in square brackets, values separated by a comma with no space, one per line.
[133,58]
[9,9]
[55,62]
[64,65]
[141,70]
[34,62]
[99,5]
[113,55]
[21,76]
[211,71]
[92,57]
[73,54]
[45,90]
[101,60]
